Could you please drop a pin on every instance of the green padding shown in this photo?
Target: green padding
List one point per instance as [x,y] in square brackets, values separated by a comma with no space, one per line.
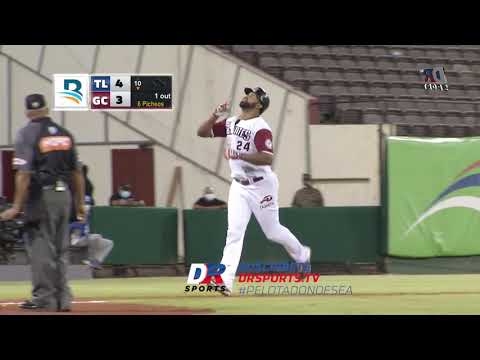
[142,236]
[335,234]
[433,197]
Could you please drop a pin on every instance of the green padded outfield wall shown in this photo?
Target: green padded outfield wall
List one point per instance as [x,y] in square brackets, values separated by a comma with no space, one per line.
[433,197]
[141,236]
[335,234]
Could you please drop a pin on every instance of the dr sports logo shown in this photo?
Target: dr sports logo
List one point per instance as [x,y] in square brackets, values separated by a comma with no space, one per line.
[202,275]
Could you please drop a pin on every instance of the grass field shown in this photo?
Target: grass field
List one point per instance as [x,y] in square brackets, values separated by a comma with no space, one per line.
[372,294]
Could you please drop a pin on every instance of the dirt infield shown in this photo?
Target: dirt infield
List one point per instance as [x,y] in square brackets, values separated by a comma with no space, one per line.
[99,307]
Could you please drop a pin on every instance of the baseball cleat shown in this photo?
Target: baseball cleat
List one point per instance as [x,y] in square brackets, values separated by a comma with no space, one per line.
[94,264]
[302,270]
[226,292]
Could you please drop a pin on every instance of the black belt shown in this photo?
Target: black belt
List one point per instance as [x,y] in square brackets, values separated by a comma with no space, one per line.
[248,182]
[57,186]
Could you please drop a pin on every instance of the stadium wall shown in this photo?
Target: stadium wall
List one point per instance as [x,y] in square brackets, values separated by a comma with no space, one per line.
[345,163]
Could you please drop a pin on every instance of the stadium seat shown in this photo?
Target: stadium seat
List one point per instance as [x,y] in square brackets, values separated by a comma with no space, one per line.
[373,116]
[433,117]
[464,106]
[403,130]
[321,50]
[397,88]
[291,75]
[245,52]
[415,52]
[283,50]
[394,117]
[372,75]
[386,62]
[452,53]
[392,75]
[308,61]
[439,131]
[470,54]
[347,61]
[359,50]
[458,131]
[327,61]
[352,116]
[366,62]
[359,87]
[434,54]
[453,117]
[467,78]
[469,118]
[353,75]
[380,88]
[265,50]
[271,65]
[411,76]
[334,74]
[339,86]
[378,50]
[290,61]
[472,90]
[365,101]
[344,102]
[419,130]
[405,64]
[313,75]
[319,89]
[303,50]
[413,117]
[341,49]
[475,131]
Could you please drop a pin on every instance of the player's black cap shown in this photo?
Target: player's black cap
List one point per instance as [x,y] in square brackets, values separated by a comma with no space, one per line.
[261,95]
[35,102]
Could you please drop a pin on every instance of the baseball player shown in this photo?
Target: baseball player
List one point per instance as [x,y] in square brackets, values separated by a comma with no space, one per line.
[98,246]
[254,187]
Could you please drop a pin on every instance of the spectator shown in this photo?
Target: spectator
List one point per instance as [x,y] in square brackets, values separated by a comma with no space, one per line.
[88,186]
[308,196]
[125,197]
[209,201]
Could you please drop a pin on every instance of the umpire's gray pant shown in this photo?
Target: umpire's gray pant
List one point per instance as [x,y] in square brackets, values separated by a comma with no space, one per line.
[47,246]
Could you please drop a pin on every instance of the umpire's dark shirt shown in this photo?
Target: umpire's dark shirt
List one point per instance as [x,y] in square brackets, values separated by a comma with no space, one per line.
[26,152]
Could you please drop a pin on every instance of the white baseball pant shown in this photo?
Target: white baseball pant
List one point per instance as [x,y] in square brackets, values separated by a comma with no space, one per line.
[242,201]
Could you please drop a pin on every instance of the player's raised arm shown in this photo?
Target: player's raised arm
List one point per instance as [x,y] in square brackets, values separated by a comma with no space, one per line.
[210,128]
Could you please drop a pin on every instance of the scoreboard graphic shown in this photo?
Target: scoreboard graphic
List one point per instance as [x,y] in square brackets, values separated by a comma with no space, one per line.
[113,92]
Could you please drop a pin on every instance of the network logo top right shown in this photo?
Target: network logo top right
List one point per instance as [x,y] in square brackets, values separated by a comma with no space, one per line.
[435,79]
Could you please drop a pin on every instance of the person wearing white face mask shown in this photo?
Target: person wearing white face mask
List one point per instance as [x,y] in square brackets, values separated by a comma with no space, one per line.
[209,201]
[125,197]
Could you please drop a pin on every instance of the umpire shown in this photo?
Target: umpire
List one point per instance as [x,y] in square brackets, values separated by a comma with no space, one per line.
[46,162]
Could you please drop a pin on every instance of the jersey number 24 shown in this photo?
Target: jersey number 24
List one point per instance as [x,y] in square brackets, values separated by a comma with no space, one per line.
[240,144]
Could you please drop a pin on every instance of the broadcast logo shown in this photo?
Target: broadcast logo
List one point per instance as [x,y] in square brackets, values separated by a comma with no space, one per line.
[435,79]
[202,276]
[71,91]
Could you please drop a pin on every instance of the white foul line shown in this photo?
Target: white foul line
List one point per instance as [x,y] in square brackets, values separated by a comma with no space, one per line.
[73,302]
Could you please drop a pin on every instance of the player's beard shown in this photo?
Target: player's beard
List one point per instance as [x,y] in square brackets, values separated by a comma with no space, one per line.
[245,105]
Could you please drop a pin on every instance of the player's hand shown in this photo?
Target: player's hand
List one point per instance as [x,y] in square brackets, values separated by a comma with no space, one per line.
[231,154]
[222,110]
[81,214]
[9,214]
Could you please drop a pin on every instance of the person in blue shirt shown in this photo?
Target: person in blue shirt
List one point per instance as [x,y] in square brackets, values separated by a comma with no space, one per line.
[98,246]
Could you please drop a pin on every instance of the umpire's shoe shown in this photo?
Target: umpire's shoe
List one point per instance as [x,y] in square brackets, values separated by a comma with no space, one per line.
[30,305]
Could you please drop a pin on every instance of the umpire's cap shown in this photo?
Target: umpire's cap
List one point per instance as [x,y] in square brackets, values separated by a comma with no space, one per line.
[261,95]
[35,102]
